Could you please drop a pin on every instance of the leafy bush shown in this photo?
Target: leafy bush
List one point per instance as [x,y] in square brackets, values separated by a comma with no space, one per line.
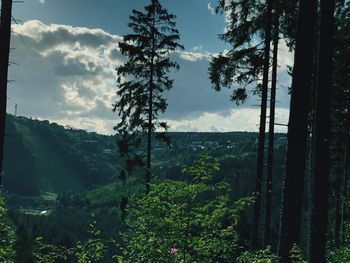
[185,222]
[340,255]
[260,256]
[7,234]
[93,250]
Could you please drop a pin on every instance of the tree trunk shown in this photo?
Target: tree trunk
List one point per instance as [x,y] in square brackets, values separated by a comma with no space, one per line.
[5,36]
[150,114]
[271,128]
[345,181]
[297,130]
[262,128]
[338,194]
[321,164]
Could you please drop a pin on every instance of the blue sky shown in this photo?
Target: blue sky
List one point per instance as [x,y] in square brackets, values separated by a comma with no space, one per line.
[67,50]
[197,25]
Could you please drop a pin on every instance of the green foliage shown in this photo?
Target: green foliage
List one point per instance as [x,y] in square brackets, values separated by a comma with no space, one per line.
[339,255]
[93,250]
[48,253]
[296,255]
[242,64]
[7,234]
[188,222]
[260,256]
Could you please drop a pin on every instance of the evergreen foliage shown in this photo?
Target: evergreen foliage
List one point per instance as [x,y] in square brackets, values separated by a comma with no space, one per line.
[143,79]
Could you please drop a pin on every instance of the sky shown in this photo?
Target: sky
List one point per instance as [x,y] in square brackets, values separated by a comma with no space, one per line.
[64,55]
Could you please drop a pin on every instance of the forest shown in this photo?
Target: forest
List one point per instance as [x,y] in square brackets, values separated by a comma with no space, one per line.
[147,193]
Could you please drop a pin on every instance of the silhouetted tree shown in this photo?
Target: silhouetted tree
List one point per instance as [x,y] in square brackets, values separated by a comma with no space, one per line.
[297,130]
[5,35]
[244,65]
[144,77]
[268,199]
[340,117]
[321,163]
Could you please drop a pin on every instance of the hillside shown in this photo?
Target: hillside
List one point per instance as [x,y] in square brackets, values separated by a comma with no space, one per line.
[42,157]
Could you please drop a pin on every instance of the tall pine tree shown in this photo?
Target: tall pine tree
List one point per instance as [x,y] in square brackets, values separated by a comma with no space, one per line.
[321,163]
[143,79]
[249,33]
[269,177]
[297,130]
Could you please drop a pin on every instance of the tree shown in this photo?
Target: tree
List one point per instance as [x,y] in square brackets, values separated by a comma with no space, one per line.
[297,130]
[321,163]
[268,198]
[143,79]
[244,65]
[340,117]
[5,35]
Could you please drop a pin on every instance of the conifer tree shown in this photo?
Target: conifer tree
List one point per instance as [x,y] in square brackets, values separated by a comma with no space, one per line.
[5,35]
[268,198]
[321,163]
[249,33]
[340,117]
[143,79]
[293,187]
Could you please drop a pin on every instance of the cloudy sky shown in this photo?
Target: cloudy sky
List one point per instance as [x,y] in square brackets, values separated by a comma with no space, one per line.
[65,53]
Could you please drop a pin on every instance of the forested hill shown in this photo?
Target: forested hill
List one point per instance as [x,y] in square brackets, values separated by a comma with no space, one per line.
[46,157]
[43,157]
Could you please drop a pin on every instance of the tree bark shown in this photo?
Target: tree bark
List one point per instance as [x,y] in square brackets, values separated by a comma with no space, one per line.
[271,128]
[321,164]
[5,37]
[262,128]
[297,130]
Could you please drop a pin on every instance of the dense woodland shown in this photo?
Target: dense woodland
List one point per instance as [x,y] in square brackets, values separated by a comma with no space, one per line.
[149,195]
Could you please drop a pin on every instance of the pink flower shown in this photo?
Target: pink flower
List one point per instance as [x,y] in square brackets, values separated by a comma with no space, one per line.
[173,250]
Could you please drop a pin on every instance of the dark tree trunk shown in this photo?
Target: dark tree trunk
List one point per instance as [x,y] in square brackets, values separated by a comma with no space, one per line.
[338,201]
[271,127]
[345,180]
[5,36]
[321,164]
[150,115]
[262,128]
[297,130]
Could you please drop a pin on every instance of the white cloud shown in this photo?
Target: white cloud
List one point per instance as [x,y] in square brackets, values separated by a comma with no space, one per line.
[197,48]
[195,55]
[285,57]
[211,8]
[239,119]
[67,75]
[42,1]
[65,72]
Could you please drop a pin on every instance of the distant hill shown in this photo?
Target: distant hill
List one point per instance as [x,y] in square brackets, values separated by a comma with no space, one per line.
[43,158]
[46,157]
